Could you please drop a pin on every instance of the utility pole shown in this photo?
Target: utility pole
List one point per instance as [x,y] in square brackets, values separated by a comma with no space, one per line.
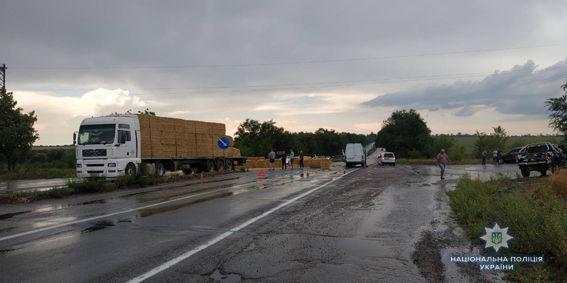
[3,77]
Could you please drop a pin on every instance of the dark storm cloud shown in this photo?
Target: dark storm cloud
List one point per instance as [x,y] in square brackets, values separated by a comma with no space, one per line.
[518,91]
[170,33]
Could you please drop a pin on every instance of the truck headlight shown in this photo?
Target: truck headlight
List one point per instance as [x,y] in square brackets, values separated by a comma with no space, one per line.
[79,165]
[111,164]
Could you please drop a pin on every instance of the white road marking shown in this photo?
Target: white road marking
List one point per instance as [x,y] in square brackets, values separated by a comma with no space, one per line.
[188,254]
[95,217]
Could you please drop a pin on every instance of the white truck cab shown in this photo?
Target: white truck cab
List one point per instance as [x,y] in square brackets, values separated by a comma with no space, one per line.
[354,154]
[108,146]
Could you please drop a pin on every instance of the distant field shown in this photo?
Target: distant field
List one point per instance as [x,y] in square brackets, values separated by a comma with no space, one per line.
[38,147]
[512,141]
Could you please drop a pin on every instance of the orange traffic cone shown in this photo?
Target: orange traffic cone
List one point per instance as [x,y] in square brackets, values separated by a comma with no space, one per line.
[307,173]
[202,176]
[344,171]
[261,174]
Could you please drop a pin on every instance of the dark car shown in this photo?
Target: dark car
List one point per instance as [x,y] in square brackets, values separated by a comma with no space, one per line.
[541,157]
[511,156]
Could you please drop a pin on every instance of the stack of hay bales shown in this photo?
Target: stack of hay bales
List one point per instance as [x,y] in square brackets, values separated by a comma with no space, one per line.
[176,138]
[315,163]
[326,164]
[250,164]
[322,163]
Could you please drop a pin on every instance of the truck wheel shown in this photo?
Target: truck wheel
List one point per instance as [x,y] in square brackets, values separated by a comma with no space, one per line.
[229,164]
[210,165]
[220,165]
[543,172]
[131,169]
[160,169]
[503,161]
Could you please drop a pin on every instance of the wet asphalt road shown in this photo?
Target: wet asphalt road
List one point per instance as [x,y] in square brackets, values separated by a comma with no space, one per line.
[361,227]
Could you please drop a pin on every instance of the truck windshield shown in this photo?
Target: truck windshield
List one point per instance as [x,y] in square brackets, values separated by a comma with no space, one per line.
[97,134]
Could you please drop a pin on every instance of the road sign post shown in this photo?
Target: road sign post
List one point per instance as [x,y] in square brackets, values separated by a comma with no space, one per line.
[223,144]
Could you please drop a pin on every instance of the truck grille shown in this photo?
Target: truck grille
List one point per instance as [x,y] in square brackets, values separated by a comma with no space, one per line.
[94,152]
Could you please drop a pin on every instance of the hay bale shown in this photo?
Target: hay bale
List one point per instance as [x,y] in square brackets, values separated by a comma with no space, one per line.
[233,152]
[218,129]
[263,163]
[315,163]
[250,164]
[326,164]
[202,128]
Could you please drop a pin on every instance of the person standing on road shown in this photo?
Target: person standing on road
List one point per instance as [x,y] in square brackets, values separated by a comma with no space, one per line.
[495,156]
[499,156]
[284,165]
[291,156]
[272,157]
[301,159]
[442,160]
[484,154]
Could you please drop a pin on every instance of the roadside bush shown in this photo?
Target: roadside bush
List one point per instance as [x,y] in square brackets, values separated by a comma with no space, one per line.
[90,185]
[25,172]
[141,179]
[559,183]
[59,192]
[457,153]
[536,216]
[415,154]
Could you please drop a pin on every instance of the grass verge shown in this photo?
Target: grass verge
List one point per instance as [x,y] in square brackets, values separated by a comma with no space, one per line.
[84,186]
[28,173]
[535,214]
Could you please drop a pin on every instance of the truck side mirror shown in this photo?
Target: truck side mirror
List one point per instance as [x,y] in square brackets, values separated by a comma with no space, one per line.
[74,138]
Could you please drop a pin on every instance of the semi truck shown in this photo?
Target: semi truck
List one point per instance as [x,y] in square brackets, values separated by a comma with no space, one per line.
[115,145]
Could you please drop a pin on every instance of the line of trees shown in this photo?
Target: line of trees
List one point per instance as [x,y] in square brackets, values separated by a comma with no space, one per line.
[17,133]
[255,138]
[407,135]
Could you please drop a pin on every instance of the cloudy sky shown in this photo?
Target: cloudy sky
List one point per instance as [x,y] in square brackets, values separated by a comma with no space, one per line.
[344,65]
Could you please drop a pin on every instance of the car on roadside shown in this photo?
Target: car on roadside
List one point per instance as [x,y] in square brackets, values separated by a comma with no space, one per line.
[541,157]
[510,156]
[388,158]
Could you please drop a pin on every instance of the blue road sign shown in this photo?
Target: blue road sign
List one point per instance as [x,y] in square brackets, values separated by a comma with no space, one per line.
[223,143]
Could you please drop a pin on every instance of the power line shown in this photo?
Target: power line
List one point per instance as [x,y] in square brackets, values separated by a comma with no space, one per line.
[235,89]
[288,63]
[346,83]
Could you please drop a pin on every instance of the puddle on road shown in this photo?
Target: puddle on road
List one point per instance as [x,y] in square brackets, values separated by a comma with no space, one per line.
[153,211]
[363,247]
[10,215]
[168,197]
[99,226]
[225,278]
[50,208]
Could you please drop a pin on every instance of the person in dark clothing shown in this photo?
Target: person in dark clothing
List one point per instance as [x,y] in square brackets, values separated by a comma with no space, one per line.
[301,159]
[284,165]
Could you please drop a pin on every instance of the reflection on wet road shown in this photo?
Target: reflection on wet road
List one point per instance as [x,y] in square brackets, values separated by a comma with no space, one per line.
[362,227]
